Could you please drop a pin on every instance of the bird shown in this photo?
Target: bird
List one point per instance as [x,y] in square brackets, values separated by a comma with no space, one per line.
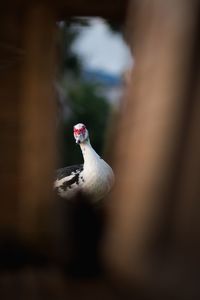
[93,178]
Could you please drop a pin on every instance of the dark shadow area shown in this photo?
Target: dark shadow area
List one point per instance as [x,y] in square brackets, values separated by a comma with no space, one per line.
[82,225]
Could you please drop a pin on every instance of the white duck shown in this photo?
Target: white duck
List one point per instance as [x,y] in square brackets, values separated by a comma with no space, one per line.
[93,178]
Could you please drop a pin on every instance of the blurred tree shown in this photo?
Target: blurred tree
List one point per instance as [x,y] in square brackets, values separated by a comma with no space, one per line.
[68,32]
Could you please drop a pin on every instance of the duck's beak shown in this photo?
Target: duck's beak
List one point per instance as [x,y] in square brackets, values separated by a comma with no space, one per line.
[78,140]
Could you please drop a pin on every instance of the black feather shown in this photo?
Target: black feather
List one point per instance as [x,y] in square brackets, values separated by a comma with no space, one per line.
[74,170]
[67,171]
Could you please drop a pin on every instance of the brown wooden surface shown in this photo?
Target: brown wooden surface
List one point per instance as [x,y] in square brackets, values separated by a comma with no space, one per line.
[41,284]
[37,119]
[148,153]
[187,210]
[11,55]
[64,9]
[27,118]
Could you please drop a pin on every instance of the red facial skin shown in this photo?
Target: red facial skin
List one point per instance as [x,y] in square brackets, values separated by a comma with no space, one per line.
[79,131]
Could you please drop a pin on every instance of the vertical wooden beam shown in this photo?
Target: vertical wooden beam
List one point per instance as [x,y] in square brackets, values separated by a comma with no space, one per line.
[37,160]
[150,130]
[187,222]
[11,55]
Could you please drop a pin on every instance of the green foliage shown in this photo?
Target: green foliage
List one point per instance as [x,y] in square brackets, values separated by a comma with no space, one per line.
[90,108]
[69,31]
[69,60]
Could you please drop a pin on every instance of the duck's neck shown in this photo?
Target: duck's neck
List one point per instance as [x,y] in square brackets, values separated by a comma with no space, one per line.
[89,154]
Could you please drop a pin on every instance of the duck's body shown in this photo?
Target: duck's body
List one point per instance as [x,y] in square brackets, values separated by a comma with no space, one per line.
[94,178]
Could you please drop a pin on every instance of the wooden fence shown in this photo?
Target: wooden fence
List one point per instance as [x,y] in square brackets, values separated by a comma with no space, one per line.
[151,241]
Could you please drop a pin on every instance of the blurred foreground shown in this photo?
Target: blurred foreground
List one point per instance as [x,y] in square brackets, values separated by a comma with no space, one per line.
[143,242]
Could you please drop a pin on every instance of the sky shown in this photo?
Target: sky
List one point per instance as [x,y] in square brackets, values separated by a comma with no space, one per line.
[100,48]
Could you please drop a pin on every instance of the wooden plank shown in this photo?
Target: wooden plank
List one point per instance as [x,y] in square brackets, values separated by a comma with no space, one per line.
[102,9]
[38,109]
[64,9]
[150,132]
[188,192]
[11,55]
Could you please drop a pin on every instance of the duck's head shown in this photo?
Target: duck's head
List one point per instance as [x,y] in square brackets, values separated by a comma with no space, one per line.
[80,133]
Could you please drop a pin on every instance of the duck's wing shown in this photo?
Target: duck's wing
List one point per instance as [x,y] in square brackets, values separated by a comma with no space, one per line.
[67,176]
[68,171]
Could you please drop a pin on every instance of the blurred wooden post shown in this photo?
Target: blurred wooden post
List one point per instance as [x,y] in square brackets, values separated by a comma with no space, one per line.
[187,222]
[151,129]
[11,55]
[37,157]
